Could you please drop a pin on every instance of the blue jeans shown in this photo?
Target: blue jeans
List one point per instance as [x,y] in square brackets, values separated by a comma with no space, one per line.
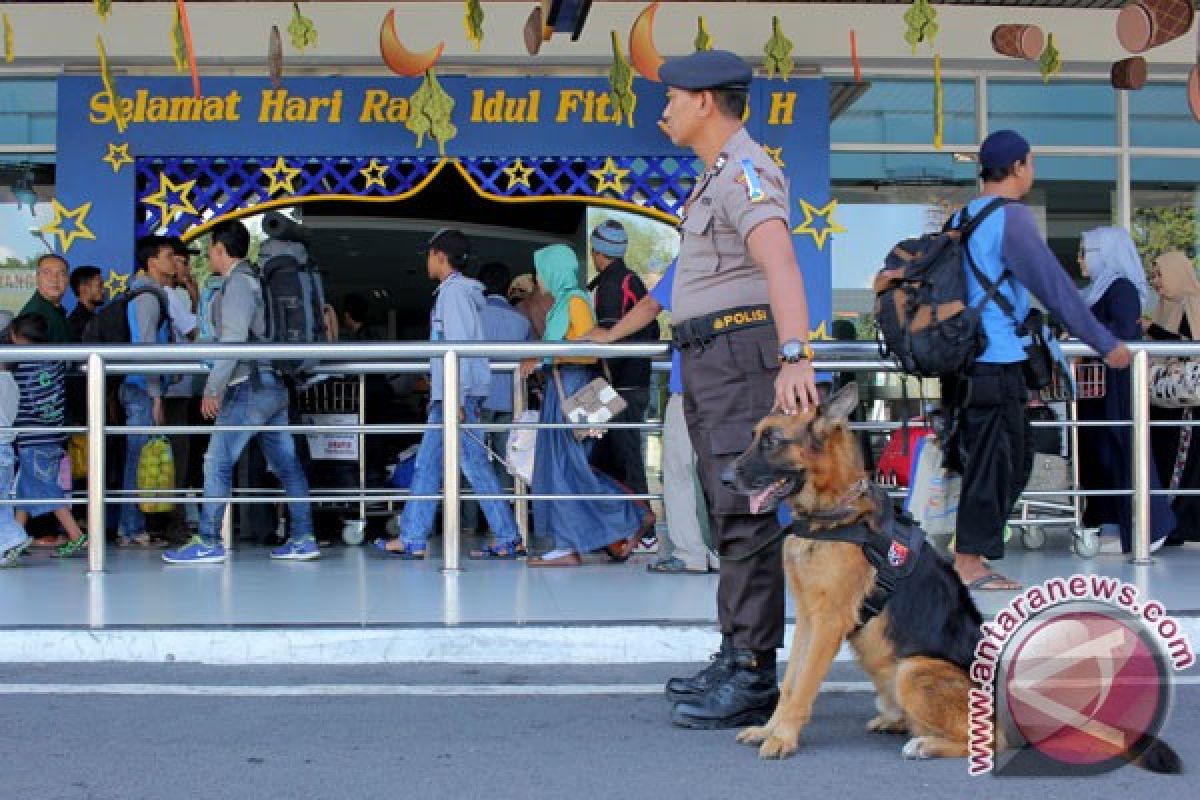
[417,519]
[138,411]
[11,534]
[38,478]
[245,404]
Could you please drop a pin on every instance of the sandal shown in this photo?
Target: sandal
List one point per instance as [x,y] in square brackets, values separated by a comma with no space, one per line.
[988,583]
[405,555]
[50,540]
[141,540]
[508,552]
[72,548]
[674,566]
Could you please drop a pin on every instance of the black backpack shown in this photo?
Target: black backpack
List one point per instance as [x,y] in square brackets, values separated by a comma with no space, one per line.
[294,307]
[110,325]
[925,323]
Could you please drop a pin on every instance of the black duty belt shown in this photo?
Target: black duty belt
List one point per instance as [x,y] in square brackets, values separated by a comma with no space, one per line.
[700,331]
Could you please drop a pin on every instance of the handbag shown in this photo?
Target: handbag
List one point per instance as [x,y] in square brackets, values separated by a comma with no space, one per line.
[594,404]
[1175,383]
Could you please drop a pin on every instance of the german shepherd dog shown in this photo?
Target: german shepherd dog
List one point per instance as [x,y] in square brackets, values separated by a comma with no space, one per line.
[918,650]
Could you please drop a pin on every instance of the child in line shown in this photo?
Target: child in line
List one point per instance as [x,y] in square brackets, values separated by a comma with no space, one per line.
[40,454]
[13,539]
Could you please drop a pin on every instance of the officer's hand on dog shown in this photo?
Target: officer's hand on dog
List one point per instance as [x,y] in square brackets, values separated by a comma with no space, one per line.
[1119,357]
[796,387]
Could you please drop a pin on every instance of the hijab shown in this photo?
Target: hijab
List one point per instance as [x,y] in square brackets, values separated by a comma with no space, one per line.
[1179,292]
[1111,255]
[558,271]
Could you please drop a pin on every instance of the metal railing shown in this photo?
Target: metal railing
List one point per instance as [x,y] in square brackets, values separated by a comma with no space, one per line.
[396,357]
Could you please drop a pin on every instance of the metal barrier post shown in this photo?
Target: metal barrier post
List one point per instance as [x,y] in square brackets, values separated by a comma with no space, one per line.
[521,507]
[1141,457]
[362,450]
[96,410]
[450,443]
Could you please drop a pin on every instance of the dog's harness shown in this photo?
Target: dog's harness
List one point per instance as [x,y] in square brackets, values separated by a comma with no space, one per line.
[893,552]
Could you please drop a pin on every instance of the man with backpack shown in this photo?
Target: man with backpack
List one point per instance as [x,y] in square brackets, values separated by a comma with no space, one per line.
[617,289]
[249,392]
[1006,259]
[147,312]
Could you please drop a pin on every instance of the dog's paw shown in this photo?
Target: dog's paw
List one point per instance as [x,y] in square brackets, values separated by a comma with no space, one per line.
[916,748]
[885,723]
[754,735]
[779,745]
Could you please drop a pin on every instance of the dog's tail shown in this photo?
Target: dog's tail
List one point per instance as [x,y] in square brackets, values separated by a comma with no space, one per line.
[1158,756]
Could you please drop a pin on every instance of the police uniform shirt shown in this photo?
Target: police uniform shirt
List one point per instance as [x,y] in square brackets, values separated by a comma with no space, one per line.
[716,271]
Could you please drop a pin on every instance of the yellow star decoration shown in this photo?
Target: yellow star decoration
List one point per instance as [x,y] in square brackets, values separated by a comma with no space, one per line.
[281,176]
[172,199]
[828,227]
[116,283]
[518,174]
[776,154]
[78,229]
[118,156]
[374,173]
[610,176]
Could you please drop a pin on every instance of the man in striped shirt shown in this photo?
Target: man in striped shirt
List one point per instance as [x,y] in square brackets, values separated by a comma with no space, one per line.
[40,453]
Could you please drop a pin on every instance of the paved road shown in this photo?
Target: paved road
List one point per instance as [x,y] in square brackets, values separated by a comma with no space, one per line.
[115,732]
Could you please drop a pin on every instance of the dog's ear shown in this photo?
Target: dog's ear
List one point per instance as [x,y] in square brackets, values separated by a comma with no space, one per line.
[841,405]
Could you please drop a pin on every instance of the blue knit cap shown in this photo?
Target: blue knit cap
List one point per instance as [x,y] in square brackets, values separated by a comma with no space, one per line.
[609,239]
[1002,149]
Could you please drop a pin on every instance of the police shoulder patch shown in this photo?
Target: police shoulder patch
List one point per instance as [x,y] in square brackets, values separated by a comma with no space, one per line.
[752,180]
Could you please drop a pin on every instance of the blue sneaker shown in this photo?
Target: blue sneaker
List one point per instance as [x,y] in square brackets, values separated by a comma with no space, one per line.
[198,550]
[302,549]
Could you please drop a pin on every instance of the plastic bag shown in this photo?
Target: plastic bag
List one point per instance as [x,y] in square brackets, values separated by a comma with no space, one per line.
[77,449]
[522,447]
[156,471]
[933,495]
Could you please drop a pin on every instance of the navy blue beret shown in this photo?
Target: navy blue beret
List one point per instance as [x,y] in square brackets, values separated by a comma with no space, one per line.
[706,69]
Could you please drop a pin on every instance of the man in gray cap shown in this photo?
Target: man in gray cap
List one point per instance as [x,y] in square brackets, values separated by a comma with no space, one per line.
[617,289]
[741,322]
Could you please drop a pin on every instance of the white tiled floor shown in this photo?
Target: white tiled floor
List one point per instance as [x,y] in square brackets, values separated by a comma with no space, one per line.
[355,587]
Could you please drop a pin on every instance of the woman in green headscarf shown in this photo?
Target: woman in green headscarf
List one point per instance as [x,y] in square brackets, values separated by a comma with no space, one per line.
[561,462]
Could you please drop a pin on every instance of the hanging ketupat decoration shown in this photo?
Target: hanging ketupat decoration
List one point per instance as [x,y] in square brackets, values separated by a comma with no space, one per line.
[181,11]
[1050,62]
[939,104]
[473,19]
[110,89]
[429,111]
[620,85]
[9,53]
[178,45]
[302,30]
[103,8]
[921,19]
[779,52]
[703,40]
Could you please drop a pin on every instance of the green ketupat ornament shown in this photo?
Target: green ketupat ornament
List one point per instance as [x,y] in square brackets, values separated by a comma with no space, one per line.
[779,52]
[620,83]
[473,19]
[178,45]
[302,30]
[430,110]
[103,8]
[921,19]
[703,40]
[1050,61]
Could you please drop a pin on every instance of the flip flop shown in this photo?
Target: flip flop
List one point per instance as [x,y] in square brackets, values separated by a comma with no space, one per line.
[404,555]
[509,552]
[674,566]
[981,584]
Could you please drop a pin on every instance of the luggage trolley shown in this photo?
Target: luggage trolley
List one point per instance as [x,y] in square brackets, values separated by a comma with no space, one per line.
[1061,472]
[337,460]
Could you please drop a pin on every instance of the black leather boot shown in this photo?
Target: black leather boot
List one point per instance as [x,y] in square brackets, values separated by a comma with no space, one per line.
[691,690]
[746,697]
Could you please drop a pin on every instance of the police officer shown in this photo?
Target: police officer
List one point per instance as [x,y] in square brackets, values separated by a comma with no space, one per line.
[741,323]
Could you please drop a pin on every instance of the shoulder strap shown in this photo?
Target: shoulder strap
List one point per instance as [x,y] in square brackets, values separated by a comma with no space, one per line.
[966,226]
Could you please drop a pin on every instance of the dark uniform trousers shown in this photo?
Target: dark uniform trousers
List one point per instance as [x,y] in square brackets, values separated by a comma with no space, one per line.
[992,448]
[729,386]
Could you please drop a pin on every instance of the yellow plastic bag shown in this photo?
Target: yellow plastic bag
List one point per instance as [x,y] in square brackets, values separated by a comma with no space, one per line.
[77,449]
[156,471]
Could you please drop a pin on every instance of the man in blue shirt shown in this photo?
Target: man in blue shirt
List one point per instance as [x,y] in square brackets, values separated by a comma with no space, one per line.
[992,443]
[684,506]
[501,323]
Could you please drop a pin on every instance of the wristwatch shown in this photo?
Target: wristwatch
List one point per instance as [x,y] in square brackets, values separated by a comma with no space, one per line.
[794,351]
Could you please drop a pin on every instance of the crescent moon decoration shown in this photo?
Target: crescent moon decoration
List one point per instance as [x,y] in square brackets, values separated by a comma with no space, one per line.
[399,58]
[643,55]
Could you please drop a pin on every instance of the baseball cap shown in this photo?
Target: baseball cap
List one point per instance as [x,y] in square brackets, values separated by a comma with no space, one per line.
[1002,149]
